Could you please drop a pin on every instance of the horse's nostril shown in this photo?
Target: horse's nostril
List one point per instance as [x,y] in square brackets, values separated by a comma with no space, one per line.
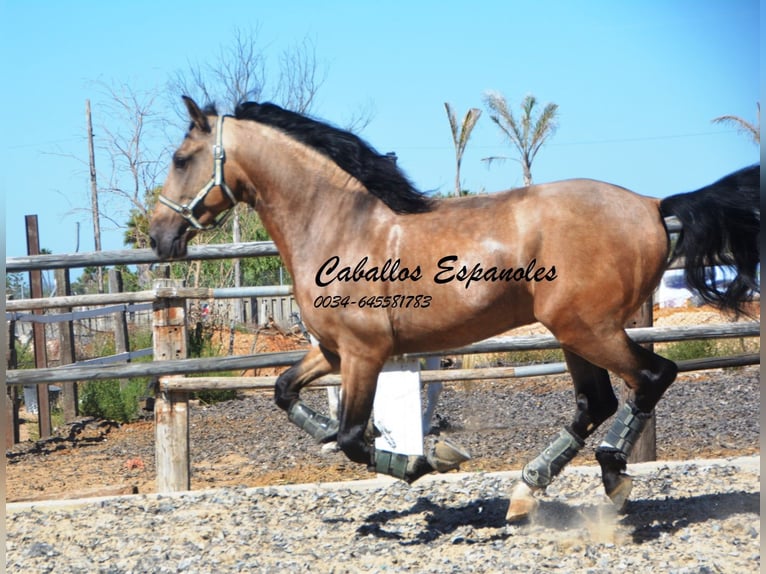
[152,243]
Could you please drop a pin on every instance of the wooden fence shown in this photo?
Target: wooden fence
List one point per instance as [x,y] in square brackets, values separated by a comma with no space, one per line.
[61,263]
[169,304]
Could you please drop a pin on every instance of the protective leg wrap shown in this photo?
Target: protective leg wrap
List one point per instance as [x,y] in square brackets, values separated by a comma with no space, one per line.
[442,455]
[405,467]
[319,426]
[626,429]
[613,453]
[539,472]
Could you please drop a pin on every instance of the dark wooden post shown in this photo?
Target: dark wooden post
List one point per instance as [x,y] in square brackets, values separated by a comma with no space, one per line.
[645,448]
[12,434]
[171,408]
[120,322]
[38,329]
[67,351]
[11,428]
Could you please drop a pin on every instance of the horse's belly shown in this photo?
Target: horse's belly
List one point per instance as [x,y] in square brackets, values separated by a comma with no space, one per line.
[455,318]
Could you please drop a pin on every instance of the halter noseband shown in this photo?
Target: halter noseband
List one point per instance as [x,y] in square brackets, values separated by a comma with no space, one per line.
[187,211]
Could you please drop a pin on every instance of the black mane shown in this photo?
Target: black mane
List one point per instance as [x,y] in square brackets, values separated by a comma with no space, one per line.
[378,173]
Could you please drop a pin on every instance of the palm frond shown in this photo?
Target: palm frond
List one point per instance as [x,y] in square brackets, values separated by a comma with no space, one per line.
[742,125]
[545,127]
[469,121]
[503,118]
[452,121]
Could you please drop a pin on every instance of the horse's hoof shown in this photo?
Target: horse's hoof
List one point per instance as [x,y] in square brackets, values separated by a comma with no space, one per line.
[330,447]
[620,493]
[444,455]
[523,503]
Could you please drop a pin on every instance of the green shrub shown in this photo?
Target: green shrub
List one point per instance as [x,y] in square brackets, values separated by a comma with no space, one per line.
[200,344]
[25,355]
[509,358]
[106,399]
[535,357]
[697,349]
[199,341]
[685,350]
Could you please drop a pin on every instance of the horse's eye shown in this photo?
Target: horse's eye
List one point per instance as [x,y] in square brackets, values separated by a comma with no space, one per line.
[180,161]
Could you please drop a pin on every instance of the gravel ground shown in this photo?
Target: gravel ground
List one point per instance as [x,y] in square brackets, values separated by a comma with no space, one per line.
[249,442]
[685,518]
[691,518]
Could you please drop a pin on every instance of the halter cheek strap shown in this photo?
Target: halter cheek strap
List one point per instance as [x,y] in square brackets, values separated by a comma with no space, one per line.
[187,210]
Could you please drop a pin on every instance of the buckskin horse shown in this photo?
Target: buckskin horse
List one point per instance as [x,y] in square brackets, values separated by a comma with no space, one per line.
[380,269]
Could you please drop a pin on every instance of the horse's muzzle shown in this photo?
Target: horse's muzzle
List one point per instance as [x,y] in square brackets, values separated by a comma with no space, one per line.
[169,243]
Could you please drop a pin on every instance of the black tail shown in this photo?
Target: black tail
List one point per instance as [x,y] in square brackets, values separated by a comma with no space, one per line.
[721,226]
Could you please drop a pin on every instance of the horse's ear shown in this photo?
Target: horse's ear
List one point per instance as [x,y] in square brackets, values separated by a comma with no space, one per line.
[198,118]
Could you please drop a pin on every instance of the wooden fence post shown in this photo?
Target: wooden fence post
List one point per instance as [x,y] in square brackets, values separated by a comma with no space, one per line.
[38,329]
[12,392]
[120,322]
[171,408]
[67,352]
[645,448]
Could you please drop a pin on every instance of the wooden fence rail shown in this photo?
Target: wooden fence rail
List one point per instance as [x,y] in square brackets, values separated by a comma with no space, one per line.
[136,256]
[244,362]
[147,296]
[193,384]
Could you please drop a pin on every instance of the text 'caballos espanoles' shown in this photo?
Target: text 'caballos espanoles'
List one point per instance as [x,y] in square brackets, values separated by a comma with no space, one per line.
[448,270]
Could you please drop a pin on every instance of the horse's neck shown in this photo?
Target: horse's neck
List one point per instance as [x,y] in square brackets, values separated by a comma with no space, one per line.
[303,198]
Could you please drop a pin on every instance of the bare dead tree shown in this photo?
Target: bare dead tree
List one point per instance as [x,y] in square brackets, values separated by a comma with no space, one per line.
[132,139]
[360,117]
[240,73]
[300,76]
[131,136]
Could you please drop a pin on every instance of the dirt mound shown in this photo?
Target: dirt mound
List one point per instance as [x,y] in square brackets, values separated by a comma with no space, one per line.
[270,339]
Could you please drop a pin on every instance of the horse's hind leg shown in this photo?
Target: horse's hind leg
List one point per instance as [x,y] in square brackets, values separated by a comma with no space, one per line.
[595,402]
[433,393]
[317,363]
[648,375]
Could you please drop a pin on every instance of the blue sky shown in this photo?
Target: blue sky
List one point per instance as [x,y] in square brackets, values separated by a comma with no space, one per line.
[637,83]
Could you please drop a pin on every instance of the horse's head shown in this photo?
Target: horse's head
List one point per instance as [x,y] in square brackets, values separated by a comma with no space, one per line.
[191,199]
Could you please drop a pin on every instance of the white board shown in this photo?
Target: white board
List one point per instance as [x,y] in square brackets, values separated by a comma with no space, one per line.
[397,409]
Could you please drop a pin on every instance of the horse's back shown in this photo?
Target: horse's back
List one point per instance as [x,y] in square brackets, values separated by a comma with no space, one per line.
[562,219]
[561,200]
[545,252]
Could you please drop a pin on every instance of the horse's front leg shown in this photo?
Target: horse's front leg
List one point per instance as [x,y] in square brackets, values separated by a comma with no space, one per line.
[317,363]
[359,378]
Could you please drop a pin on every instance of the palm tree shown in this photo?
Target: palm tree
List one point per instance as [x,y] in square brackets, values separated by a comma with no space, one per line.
[527,133]
[753,130]
[460,136]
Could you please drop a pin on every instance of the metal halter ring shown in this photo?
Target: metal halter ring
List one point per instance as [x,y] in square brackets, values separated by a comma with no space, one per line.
[187,211]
